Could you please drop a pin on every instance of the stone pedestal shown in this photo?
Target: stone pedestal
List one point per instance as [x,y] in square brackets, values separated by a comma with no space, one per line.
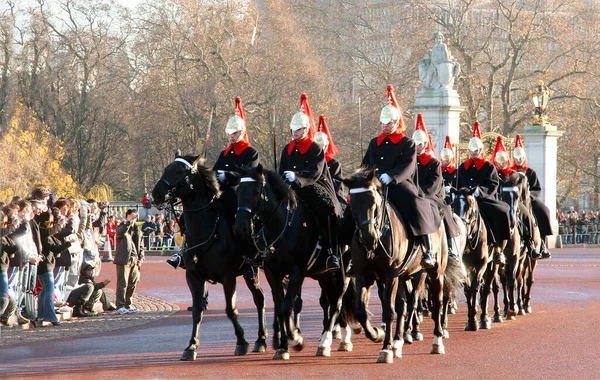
[541,145]
[441,111]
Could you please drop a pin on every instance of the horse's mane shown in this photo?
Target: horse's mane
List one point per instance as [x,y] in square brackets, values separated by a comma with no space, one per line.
[280,187]
[361,177]
[206,174]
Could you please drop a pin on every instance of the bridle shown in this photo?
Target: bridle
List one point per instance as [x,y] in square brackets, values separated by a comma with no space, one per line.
[259,237]
[473,225]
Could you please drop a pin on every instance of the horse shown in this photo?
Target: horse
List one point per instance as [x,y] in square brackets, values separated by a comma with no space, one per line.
[382,250]
[510,193]
[210,253]
[288,241]
[477,256]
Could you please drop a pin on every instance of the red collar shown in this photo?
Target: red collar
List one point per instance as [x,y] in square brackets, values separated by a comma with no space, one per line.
[506,171]
[520,168]
[238,147]
[393,137]
[450,168]
[478,163]
[424,158]
[303,145]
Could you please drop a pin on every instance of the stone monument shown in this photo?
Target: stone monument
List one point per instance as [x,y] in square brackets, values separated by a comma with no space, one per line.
[437,100]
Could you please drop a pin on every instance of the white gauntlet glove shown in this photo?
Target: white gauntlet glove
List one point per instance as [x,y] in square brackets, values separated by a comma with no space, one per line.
[221,175]
[447,189]
[290,176]
[477,193]
[385,179]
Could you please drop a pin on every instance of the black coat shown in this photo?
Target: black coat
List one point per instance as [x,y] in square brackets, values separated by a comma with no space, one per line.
[449,178]
[314,184]
[495,213]
[430,182]
[335,171]
[52,248]
[540,211]
[399,162]
[8,251]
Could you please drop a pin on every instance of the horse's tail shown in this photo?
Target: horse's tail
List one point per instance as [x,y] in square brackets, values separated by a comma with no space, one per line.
[348,302]
[454,278]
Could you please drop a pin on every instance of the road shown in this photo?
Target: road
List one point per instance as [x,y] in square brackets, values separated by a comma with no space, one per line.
[558,340]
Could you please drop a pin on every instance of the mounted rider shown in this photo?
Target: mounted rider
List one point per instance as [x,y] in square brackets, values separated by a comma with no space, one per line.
[430,182]
[540,211]
[394,156]
[501,161]
[480,174]
[304,166]
[449,172]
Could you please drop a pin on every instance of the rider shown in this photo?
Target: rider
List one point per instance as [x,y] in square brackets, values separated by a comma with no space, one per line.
[480,174]
[501,161]
[393,155]
[238,154]
[448,169]
[304,166]
[430,182]
[540,211]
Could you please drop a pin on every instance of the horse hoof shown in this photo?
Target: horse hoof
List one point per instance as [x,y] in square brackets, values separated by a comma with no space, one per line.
[335,334]
[188,355]
[385,356]
[485,324]
[529,309]
[397,348]
[345,347]
[498,319]
[324,351]
[451,310]
[281,354]
[471,326]
[408,339]
[446,334]
[260,346]
[417,336]
[241,349]
[438,349]
[357,329]
[522,312]
[300,344]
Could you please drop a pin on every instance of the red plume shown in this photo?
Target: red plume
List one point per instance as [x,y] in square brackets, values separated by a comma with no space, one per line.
[306,110]
[238,106]
[499,147]
[519,142]
[448,144]
[476,130]
[332,149]
[421,124]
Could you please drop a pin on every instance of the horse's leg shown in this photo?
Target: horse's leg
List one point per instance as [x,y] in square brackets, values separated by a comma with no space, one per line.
[436,295]
[363,287]
[229,283]
[412,304]
[471,292]
[530,281]
[335,286]
[484,322]
[279,340]
[258,295]
[287,306]
[511,272]
[496,282]
[298,309]
[445,307]
[380,294]
[419,284]
[196,284]
[386,355]
[324,303]
[402,306]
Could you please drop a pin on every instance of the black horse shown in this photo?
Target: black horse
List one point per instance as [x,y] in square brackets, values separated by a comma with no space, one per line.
[288,239]
[477,256]
[210,253]
[381,249]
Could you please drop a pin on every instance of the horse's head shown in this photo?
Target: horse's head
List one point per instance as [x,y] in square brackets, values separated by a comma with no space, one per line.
[465,205]
[365,202]
[510,194]
[523,185]
[178,180]
[260,192]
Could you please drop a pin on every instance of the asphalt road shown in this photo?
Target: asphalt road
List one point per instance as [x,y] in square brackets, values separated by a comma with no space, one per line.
[558,340]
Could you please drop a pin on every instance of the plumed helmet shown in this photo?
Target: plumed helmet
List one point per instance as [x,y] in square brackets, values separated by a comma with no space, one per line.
[447,154]
[500,156]
[391,112]
[519,151]
[236,123]
[302,119]
[321,139]
[420,135]
[325,140]
[475,143]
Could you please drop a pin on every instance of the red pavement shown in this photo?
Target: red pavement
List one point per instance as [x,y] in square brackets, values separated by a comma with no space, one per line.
[559,340]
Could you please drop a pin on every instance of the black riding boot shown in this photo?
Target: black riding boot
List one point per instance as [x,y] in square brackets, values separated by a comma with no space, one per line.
[333,262]
[428,258]
[532,251]
[453,248]
[499,257]
[545,252]
[176,260]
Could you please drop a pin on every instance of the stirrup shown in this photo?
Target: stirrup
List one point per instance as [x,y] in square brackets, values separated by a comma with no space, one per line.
[175,260]
[332,263]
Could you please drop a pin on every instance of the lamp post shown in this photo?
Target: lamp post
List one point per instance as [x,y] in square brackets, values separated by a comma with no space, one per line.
[540,96]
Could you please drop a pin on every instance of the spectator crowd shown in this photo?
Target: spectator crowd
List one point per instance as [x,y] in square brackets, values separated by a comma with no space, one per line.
[50,256]
[579,227]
